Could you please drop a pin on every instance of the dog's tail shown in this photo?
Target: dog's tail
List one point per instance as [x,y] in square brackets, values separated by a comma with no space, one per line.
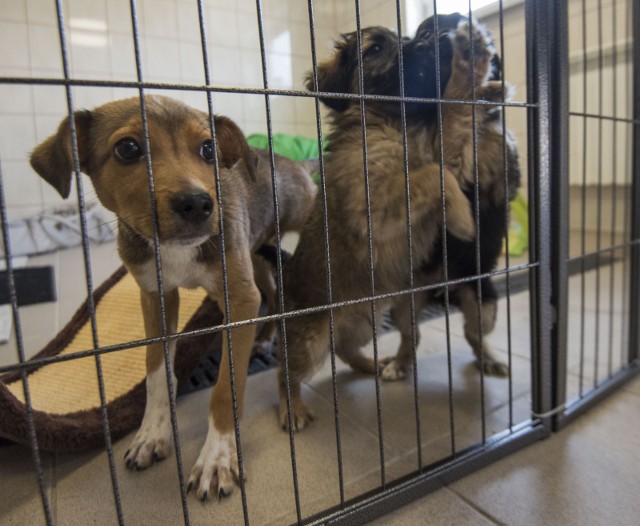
[270,253]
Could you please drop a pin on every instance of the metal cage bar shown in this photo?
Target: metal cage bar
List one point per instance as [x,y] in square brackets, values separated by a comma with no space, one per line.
[559,180]
[372,278]
[540,37]
[24,379]
[323,193]
[476,203]
[445,266]
[634,305]
[548,124]
[158,262]
[87,261]
[507,261]
[407,183]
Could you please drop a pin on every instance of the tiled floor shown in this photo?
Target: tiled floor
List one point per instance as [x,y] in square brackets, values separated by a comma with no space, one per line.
[587,474]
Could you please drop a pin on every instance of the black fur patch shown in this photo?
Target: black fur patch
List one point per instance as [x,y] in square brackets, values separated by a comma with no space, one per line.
[270,253]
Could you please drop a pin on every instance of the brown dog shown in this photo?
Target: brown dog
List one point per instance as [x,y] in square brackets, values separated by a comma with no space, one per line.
[305,275]
[421,82]
[111,152]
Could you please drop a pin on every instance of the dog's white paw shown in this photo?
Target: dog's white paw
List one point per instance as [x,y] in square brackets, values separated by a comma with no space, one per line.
[151,443]
[216,469]
[154,439]
[393,371]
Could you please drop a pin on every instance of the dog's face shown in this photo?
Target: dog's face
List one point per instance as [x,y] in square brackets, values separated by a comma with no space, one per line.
[111,149]
[432,41]
[421,74]
[339,73]
[381,72]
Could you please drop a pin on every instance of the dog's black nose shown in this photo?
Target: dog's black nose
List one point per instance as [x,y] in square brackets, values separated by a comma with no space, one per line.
[194,208]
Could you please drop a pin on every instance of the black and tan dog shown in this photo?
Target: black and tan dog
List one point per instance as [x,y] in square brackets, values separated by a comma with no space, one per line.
[111,151]
[498,181]
[348,213]
[498,173]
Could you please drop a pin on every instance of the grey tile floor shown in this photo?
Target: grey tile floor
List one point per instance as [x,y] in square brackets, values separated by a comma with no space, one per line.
[587,474]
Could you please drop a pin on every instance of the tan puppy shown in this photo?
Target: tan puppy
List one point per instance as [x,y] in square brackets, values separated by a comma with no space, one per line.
[111,152]
[305,276]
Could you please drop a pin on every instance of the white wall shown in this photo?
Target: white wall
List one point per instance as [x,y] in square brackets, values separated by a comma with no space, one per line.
[608,90]
[372,13]
[101,47]
[598,100]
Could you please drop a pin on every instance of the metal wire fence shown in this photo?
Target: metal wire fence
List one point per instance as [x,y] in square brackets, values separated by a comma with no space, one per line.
[549,266]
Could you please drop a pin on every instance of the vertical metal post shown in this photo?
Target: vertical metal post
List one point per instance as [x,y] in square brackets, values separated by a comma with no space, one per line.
[36,455]
[559,146]
[634,295]
[544,63]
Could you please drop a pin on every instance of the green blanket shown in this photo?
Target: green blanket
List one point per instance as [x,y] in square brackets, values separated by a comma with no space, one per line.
[297,148]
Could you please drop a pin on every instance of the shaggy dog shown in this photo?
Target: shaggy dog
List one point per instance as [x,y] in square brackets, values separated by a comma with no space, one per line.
[366,216]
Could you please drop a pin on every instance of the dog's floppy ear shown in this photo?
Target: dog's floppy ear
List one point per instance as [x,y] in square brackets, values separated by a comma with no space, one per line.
[334,74]
[53,160]
[233,146]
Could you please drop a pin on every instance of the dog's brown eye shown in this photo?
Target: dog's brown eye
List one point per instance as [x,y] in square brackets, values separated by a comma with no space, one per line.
[206,151]
[127,150]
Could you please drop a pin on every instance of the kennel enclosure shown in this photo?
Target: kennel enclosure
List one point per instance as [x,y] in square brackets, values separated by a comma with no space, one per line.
[582,150]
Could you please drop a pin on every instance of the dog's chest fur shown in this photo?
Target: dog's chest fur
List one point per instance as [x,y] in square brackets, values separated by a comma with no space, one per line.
[181,267]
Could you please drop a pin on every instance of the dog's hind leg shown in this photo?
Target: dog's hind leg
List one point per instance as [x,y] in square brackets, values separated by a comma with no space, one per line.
[265,281]
[307,345]
[476,333]
[154,439]
[398,367]
[355,330]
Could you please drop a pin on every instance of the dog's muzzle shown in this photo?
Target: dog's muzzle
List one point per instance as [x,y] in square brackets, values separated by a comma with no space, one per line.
[193,207]
[420,72]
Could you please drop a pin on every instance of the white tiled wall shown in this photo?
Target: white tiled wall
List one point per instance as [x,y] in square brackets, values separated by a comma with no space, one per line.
[600,155]
[101,47]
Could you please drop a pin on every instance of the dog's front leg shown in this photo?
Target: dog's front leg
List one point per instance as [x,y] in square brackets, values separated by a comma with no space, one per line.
[217,465]
[153,440]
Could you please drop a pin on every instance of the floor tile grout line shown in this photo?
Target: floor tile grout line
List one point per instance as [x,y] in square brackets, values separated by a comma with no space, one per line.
[399,453]
[629,390]
[475,507]
[497,407]
[403,454]
[374,434]
[373,474]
